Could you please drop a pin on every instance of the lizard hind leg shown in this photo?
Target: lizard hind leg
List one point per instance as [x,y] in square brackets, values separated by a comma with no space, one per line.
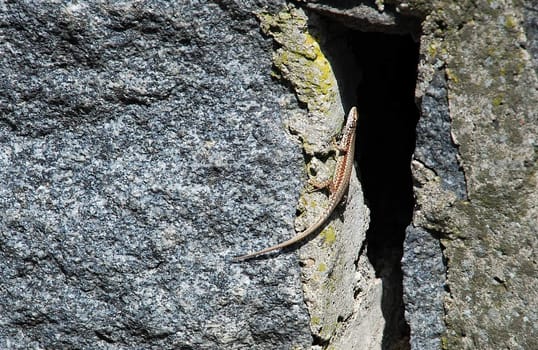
[321,185]
[316,185]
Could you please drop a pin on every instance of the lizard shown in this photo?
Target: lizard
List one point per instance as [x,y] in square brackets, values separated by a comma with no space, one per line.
[337,185]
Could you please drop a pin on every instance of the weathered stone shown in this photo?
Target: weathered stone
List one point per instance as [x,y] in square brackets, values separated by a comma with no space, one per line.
[142,146]
[489,232]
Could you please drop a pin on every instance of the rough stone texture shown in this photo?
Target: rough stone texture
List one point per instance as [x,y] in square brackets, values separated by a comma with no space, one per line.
[424,271]
[530,13]
[434,146]
[424,280]
[489,236]
[142,145]
[368,15]
[342,294]
[339,292]
[299,60]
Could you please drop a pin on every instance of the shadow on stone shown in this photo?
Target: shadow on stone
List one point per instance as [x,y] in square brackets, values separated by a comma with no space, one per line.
[386,140]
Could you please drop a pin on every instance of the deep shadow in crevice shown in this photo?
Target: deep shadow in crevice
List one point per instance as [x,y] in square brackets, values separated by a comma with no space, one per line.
[386,140]
[377,73]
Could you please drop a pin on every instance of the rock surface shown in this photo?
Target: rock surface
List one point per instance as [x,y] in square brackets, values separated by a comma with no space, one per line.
[142,146]
[422,263]
[489,231]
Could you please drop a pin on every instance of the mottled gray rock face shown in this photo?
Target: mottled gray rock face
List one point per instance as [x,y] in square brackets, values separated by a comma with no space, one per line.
[422,263]
[142,146]
[530,12]
[434,146]
[424,280]
[487,224]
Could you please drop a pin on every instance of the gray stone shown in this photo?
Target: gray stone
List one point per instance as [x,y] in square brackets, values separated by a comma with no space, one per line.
[141,147]
[424,274]
[423,282]
[144,143]
[368,16]
[434,146]
[530,12]
[489,234]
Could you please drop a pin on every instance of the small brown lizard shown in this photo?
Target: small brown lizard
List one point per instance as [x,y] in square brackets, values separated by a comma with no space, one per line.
[337,185]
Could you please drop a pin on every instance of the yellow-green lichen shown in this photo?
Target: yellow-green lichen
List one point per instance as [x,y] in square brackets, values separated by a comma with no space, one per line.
[314,321]
[300,59]
[497,100]
[329,235]
[433,49]
[313,204]
[451,75]
[322,267]
[510,22]
[444,343]
[330,285]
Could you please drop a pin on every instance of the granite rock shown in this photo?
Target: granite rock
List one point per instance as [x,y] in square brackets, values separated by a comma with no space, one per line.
[141,147]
